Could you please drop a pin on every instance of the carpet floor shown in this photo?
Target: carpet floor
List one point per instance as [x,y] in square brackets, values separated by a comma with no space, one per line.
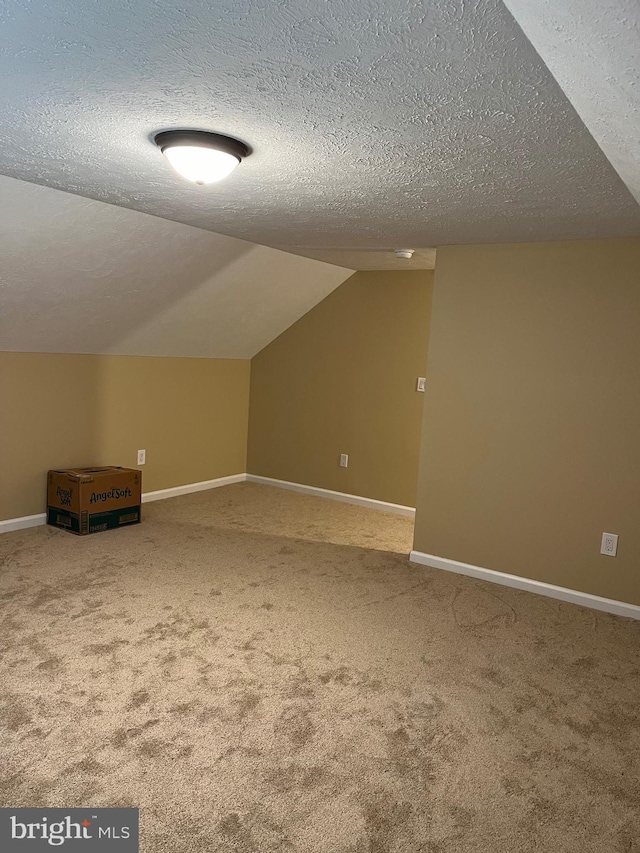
[263,671]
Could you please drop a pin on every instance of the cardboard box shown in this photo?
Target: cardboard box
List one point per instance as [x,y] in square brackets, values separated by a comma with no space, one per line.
[89,500]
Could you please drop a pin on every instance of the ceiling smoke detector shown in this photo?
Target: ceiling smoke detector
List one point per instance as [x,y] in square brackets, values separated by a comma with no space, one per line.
[200,156]
[406,254]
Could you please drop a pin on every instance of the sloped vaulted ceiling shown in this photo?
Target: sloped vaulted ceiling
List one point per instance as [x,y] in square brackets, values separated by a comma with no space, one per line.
[592,48]
[375,124]
[84,276]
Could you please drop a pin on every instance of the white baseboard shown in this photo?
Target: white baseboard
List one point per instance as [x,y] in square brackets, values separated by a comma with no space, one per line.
[408,511]
[10,524]
[574,596]
[41,518]
[176,491]
[370,503]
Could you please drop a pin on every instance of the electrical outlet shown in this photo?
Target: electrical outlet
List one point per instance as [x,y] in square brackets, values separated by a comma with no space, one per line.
[344,460]
[142,457]
[609,544]
[421,383]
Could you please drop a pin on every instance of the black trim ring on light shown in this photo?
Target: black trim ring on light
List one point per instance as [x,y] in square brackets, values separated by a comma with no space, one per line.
[202,139]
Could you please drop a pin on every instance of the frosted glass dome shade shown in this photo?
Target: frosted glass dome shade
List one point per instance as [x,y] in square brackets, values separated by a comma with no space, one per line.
[201,165]
[200,156]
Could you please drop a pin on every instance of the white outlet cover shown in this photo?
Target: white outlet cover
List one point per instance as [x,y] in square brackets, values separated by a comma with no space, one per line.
[420,385]
[609,545]
[344,460]
[142,457]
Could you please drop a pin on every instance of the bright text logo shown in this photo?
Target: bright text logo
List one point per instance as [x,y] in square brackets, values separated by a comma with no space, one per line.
[100,830]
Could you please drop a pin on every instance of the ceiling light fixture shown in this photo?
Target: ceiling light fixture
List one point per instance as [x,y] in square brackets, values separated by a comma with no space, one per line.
[200,156]
[406,254]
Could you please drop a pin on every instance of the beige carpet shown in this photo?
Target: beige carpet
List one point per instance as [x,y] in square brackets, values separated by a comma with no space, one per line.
[261,671]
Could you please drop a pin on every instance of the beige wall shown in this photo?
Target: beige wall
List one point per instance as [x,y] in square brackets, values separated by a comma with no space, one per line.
[342,380]
[190,415]
[531,436]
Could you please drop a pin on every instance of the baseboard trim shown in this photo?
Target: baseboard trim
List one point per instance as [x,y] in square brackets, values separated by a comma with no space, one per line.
[573,596]
[370,503]
[176,491]
[21,523]
[10,524]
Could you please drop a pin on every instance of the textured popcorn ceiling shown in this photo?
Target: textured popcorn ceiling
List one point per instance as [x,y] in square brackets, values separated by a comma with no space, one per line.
[375,124]
[592,47]
[83,276]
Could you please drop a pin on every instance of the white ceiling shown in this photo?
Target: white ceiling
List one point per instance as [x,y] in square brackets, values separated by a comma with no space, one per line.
[592,47]
[83,276]
[373,259]
[375,124]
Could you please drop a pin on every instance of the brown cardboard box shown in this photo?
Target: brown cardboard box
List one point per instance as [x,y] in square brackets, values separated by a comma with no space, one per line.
[88,500]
